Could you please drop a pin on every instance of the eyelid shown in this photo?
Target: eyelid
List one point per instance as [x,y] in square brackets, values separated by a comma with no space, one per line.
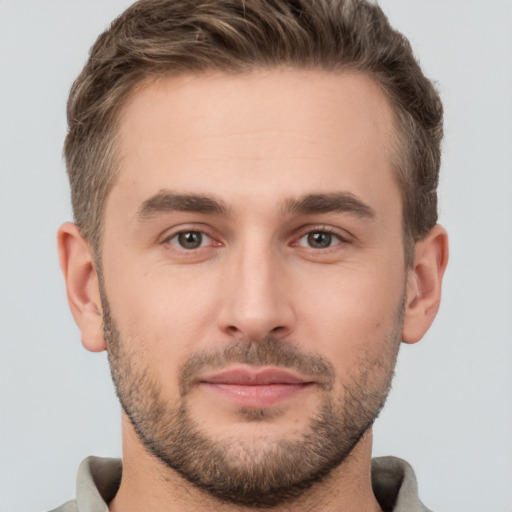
[343,235]
[206,240]
[170,234]
[165,239]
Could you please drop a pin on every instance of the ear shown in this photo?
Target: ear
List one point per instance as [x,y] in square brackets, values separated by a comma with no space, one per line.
[77,265]
[424,281]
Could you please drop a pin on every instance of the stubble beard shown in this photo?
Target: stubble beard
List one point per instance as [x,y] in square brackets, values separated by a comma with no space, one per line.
[258,472]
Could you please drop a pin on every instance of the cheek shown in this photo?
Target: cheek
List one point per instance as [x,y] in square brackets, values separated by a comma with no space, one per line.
[353,312]
[166,310]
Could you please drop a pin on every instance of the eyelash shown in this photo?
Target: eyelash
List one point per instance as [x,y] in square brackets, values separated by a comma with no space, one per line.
[341,240]
[310,231]
[169,239]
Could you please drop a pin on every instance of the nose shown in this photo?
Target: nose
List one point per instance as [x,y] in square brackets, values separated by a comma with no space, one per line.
[257,299]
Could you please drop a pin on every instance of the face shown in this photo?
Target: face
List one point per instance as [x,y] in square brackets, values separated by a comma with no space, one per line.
[253,275]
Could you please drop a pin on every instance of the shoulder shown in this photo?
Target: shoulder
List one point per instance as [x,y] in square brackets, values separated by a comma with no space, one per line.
[394,484]
[96,484]
[69,506]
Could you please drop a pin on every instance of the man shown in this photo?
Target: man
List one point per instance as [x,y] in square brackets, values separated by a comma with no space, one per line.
[254,189]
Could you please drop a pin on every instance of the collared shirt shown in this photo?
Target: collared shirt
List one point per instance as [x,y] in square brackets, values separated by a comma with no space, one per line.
[393,480]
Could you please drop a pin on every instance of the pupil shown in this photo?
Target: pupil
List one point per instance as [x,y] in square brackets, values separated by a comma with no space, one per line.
[319,240]
[190,240]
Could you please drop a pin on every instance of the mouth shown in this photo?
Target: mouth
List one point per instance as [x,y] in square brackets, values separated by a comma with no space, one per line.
[255,388]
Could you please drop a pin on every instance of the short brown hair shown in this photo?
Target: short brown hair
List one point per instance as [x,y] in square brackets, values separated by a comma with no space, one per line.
[155,38]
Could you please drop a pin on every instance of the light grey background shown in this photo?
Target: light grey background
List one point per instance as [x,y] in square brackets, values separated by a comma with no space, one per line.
[450,413]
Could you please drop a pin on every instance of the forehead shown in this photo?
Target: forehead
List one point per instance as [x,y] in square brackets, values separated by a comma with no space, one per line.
[267,132]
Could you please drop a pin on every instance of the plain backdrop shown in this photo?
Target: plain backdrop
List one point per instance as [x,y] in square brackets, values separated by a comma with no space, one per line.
[450,411]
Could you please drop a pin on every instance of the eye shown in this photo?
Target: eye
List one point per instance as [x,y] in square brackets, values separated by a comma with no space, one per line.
[190,240]
[319,240]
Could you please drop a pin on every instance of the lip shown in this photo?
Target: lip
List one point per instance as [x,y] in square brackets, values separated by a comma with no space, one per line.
[252,388]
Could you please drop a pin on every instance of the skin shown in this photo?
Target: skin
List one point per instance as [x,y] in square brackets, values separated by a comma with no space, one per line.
[254,143]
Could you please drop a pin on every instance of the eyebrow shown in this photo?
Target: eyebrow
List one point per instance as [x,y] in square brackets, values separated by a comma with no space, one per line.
[167,202]
[343,202]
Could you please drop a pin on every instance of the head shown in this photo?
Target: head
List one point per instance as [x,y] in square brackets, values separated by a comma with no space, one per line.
[154,38]
[254,187]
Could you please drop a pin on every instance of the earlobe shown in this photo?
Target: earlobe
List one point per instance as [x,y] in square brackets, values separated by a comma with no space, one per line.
[79,270]
[423,294]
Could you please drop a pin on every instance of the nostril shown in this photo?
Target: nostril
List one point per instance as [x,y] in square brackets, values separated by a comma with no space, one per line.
[231,329]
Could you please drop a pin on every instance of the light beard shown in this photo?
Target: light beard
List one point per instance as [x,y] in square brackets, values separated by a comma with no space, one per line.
[256,472]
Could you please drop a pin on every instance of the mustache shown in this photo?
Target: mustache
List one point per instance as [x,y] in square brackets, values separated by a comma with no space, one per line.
[268,352]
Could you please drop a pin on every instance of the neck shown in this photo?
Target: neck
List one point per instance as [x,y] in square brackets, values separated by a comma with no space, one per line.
[148,484]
